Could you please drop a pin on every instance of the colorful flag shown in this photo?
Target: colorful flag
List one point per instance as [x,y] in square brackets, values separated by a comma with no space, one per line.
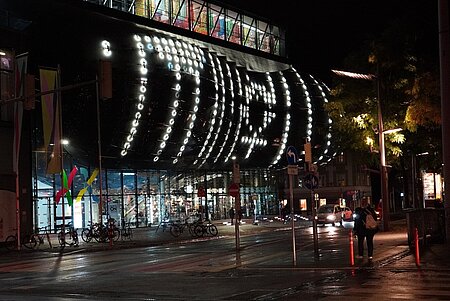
[89,183]
[51,120]
[66,184]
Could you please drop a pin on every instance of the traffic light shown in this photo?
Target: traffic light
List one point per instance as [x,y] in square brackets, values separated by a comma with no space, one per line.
[105,79]
[307,149]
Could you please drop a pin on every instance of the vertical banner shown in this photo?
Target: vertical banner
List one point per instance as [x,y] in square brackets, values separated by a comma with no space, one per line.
[20,73]
[51,119]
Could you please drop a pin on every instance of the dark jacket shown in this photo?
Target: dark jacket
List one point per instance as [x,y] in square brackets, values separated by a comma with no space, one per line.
[360,217]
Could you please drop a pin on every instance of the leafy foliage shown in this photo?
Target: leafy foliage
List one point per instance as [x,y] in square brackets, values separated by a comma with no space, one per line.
[404,59]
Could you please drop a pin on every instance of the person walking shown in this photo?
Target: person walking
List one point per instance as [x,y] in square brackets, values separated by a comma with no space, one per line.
[231,213]
[364,230]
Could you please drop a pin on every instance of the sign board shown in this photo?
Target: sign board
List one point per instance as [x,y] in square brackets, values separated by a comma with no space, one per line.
[233,190]
[291,155]
[201,193]
[311,181]
[292,170]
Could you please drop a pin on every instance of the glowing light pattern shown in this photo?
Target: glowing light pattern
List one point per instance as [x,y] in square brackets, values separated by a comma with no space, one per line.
[217,108]
[214,113]
[287,120]
[255,92]
[241,113]
[142,62]
[233,124]
[230,122]
[308,107]
[197,58]
[330,121]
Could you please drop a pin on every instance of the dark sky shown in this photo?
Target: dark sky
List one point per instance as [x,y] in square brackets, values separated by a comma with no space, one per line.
[320,33]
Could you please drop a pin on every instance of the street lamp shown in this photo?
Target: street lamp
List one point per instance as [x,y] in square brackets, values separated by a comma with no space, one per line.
[381,133]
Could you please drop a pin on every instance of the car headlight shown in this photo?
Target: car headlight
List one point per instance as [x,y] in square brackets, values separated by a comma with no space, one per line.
[331,217]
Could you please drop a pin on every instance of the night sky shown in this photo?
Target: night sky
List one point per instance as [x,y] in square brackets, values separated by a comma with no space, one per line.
[321,33]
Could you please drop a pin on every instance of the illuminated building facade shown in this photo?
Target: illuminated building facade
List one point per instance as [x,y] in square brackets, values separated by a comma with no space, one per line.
[193,85]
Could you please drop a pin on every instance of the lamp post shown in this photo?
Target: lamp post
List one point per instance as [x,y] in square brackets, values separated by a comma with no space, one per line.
[381,133]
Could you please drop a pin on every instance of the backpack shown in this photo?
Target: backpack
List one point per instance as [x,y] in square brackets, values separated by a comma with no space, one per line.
[370,222]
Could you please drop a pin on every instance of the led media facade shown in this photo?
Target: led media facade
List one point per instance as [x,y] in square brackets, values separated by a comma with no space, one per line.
[192,107]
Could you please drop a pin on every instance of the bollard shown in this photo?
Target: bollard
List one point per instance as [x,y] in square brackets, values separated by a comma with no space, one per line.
[352,257]
[416,242]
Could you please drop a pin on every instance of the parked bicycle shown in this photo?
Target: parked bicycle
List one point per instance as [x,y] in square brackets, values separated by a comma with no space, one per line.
[101,233]
[202,229]
[37,239]
[68,237]
[11,241]
[87,234]
[177,228]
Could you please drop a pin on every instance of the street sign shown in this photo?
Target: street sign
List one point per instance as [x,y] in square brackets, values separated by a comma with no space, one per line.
[291,155]
[311,181]
[233,190]
[201,192]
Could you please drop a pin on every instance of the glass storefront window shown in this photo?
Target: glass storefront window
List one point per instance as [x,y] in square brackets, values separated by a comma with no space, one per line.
[146,198]
[159,9]
[207,19]
[233,25]
[142,8]
[216,22]
[180,14]
[199,18]
[249,31]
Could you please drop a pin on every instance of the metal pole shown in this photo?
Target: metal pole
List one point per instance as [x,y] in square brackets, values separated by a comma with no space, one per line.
[237,205]
[291,191]
[315,234]
[383,169]
[100,203]
[206,196]
[237,210]
[414,178]
[444,53]
[59,144]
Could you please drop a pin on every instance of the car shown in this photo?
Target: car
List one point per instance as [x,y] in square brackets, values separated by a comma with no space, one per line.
[329,214]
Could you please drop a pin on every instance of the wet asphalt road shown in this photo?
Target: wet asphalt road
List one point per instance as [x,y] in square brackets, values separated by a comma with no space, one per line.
[212,270]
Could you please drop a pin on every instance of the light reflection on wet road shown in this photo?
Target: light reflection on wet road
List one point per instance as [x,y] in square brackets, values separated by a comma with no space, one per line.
[207,270]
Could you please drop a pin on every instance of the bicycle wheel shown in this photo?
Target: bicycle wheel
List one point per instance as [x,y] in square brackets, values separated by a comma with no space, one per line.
[74,236]
[175,230]
[27,242]
[11,243]
[34,241]
[212,229]
[198,230]
[86,235]
[116,234]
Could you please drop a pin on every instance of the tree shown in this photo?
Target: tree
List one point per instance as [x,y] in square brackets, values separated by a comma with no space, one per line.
[405,59]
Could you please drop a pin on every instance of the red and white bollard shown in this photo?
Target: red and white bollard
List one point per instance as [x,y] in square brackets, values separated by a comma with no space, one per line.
[416,242]
[352,257]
